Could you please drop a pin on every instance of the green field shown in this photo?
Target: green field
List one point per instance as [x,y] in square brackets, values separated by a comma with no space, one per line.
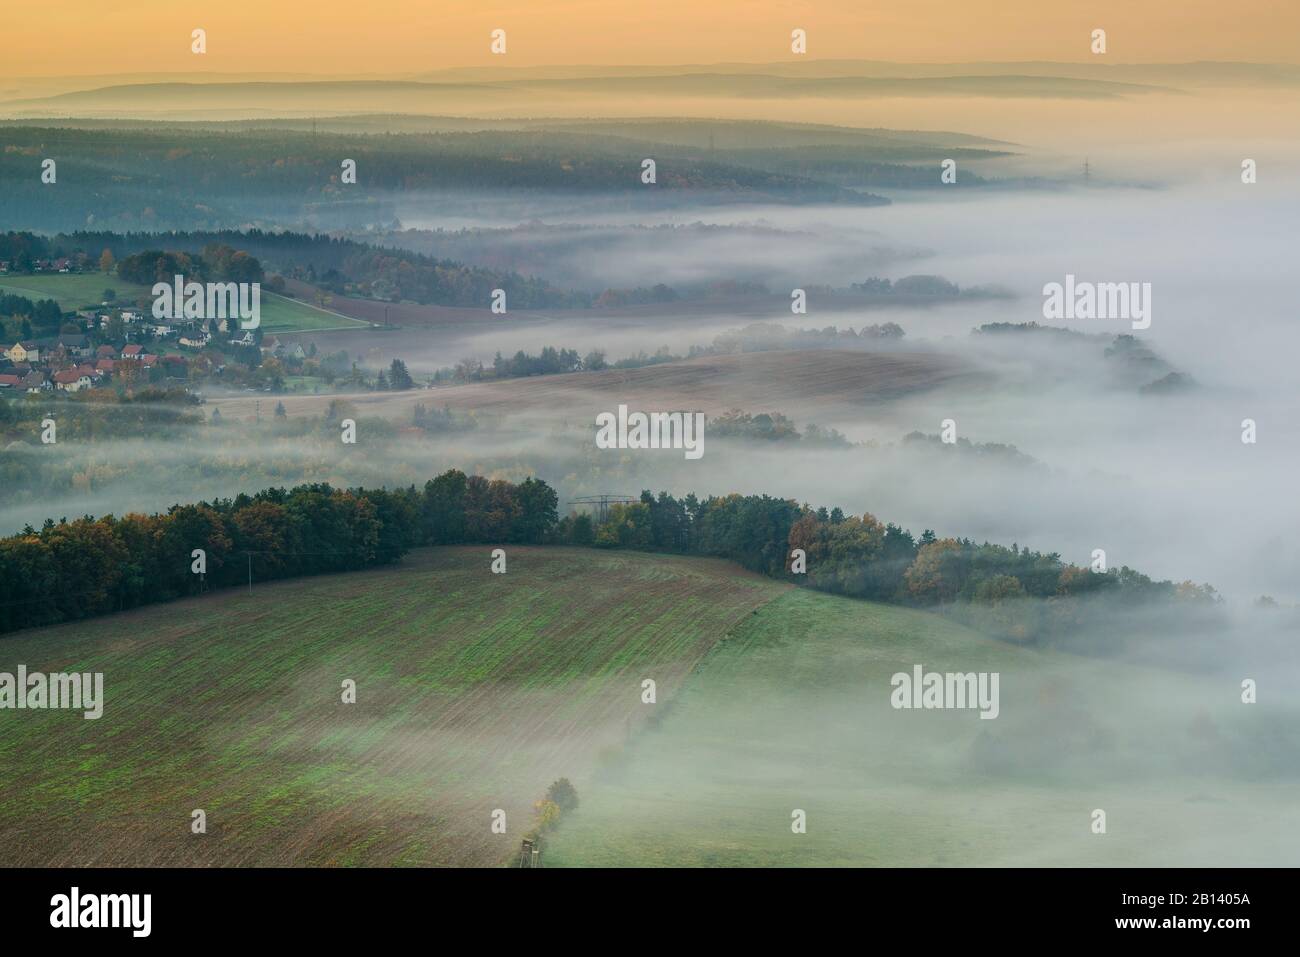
[280,314]
[475,691]
[71,290]
[791,712]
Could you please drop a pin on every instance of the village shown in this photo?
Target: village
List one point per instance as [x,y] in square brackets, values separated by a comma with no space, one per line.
[121,347]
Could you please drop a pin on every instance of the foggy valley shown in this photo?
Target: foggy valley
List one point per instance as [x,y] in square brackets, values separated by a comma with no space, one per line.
[1099,511]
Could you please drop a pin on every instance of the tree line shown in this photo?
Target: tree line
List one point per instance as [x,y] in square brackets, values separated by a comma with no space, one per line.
[71,570]
[27,318]
[216,262]
[342,266]
[1014,592]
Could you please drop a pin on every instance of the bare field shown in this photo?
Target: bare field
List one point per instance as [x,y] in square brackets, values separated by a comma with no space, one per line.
[822,384]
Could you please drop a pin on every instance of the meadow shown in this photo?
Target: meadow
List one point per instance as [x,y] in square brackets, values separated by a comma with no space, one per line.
[72,291]
[475,691]
[792,711]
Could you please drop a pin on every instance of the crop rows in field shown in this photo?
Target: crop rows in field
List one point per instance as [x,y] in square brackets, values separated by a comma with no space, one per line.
[474,692]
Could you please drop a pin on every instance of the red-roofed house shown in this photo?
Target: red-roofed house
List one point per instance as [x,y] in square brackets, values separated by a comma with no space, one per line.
[132,351]
[70,380]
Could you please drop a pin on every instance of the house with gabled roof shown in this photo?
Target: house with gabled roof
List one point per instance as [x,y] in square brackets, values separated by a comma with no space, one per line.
[70,380]
[35,381]
[75,345]
[26,351]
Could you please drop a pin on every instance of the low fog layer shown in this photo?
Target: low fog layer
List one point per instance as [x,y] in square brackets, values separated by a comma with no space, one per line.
[1161,482]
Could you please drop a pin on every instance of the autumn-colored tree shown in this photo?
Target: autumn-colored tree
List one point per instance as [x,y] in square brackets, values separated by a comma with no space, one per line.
[932,577]
[547,814]
[262,529]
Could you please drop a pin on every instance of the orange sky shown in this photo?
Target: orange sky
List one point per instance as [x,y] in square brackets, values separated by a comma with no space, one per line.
[353,36]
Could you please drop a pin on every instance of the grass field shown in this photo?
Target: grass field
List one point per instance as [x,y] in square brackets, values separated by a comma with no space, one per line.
[474,691]
[792,712]
[281,314]
[70,290]
[78,290]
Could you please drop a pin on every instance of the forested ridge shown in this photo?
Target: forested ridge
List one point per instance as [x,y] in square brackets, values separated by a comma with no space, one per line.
[69,570]
[339,265]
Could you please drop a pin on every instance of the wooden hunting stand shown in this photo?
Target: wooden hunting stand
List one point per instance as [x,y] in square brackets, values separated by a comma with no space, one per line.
[530,852]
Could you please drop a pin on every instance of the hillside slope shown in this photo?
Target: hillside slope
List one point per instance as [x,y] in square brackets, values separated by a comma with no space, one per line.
[792,711]
[474,692]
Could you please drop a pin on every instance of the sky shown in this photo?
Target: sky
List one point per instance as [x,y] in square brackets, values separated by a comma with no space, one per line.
[346,37]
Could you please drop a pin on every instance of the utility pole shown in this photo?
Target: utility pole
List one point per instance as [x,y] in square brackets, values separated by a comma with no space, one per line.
[250,572]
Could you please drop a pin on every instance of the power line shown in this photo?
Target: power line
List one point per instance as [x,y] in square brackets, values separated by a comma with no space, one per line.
[602,502]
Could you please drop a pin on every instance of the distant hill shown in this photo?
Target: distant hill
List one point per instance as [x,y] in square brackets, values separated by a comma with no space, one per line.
[195,178]
[520,91]
[526,95]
